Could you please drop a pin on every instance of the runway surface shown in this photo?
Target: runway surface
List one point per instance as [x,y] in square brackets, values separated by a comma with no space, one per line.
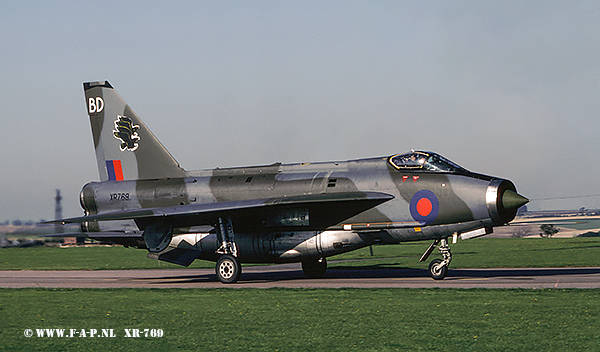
[291,276]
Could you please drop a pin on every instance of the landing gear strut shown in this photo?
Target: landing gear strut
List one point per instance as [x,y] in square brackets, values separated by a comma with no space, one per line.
[438,269]
[228,268]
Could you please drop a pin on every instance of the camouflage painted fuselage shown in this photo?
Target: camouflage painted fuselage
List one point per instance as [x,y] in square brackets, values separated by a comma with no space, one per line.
[465,202]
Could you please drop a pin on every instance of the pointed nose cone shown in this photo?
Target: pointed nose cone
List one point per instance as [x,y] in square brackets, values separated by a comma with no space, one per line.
[513,200]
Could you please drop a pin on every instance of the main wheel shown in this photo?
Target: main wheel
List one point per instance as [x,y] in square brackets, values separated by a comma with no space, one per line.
[436,270]
[228,269]
[314,269]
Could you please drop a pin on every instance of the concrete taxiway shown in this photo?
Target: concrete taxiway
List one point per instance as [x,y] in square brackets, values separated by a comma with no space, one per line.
[291,276]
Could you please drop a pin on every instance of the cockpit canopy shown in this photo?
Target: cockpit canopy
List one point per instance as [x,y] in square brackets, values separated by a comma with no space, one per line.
[427,161]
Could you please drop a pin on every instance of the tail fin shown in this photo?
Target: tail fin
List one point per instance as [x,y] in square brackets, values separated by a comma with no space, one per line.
[125,148]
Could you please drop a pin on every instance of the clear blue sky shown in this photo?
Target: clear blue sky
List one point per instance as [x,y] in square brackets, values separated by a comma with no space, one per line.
[507,88]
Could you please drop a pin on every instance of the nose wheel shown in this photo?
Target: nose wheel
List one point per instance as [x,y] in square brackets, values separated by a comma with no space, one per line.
[437,269]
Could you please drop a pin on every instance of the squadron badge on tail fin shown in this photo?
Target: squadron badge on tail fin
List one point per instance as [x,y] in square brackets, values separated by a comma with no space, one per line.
[126,131]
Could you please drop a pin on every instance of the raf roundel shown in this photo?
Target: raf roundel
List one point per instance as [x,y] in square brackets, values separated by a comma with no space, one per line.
[424,206]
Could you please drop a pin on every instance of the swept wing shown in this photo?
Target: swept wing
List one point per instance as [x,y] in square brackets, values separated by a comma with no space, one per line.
[322,211]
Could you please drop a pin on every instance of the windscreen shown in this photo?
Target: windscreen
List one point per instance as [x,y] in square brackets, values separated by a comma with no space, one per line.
[424,161]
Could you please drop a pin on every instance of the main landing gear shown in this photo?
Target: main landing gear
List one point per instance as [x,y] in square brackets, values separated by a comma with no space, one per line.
[228,268]
[438,269]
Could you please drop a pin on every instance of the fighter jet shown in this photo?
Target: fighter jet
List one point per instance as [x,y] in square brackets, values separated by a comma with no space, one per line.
[278,213]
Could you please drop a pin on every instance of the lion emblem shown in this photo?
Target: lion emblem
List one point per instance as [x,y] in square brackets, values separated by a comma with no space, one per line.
[126,132]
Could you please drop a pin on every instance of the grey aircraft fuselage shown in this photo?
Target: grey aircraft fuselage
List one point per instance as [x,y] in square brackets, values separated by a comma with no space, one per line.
[464,205]
[276,213]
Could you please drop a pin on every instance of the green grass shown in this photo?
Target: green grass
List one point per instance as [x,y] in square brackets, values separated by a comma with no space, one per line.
[581,225]
[83,258]
[305,319]
[476,253]
[486,253]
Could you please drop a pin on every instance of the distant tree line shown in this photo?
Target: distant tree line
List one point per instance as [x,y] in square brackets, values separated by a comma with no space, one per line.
[18,222]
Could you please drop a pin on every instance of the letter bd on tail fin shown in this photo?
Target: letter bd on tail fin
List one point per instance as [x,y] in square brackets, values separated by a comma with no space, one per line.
[125,148]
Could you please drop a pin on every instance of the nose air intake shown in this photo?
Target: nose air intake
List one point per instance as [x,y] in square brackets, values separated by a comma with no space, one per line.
[503,201]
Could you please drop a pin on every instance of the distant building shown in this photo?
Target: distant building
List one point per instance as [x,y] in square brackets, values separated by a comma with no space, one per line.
[72,241]
[58,228]
[522,210]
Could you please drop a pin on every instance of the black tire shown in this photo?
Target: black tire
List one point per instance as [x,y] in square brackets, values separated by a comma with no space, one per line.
[437,272]
[314,269]
[228,269]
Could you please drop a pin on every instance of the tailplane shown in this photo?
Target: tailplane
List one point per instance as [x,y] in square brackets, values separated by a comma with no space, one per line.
[125,148]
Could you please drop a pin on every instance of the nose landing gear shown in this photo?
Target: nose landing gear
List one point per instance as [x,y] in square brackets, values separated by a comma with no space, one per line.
[438,269]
